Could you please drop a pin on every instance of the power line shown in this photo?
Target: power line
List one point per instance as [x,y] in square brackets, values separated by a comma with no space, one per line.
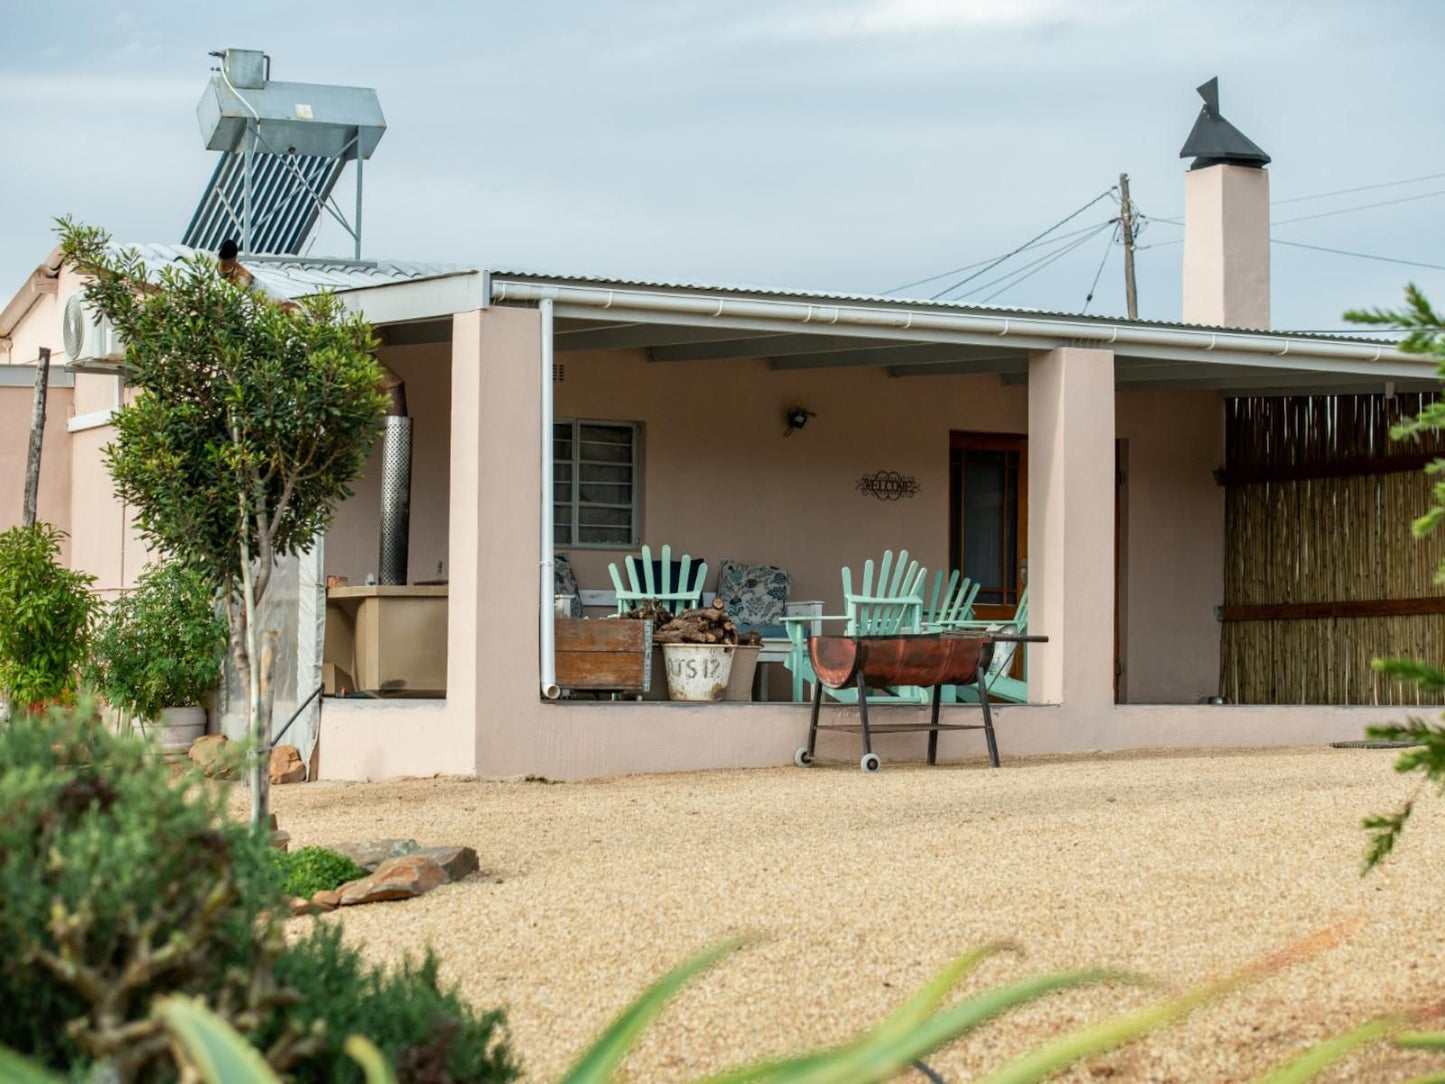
[1324,248]
[1359,255]
[1049,260]
[1048,257]
[1363,207]
[1361,188]
[1097,274]
[970,266]
[1044,259]
[984,270]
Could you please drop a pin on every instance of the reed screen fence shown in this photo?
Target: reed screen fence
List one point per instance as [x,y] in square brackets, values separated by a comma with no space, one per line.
[1321,572]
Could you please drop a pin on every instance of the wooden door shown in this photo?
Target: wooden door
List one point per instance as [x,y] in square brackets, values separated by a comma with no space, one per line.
[988,502]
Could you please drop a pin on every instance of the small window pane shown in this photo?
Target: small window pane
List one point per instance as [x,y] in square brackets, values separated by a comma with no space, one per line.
[594,482]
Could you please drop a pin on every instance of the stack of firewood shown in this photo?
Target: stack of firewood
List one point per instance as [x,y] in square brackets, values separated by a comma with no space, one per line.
[707,625]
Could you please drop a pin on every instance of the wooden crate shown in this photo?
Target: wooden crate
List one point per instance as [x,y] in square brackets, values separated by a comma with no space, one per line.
[604,655]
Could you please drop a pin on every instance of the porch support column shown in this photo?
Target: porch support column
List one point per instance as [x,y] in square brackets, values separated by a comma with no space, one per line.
[1071,526]
[493,540]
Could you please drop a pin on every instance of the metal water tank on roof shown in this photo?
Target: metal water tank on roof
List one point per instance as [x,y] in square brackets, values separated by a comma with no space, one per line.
[309,119]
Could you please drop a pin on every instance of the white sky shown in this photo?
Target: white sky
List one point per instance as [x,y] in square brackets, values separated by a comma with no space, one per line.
[851,145]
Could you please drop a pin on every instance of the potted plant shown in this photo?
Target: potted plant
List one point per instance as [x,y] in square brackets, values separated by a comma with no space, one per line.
[158,652]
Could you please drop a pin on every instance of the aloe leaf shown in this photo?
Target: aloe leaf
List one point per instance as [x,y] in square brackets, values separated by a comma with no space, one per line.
[877,1058]
[1322,1055]
[1428,1078]
[1097,1038]
[17,1070]
[602,1059]
[373,1064]
[1421,1040]
[212,1047]
[907,1016]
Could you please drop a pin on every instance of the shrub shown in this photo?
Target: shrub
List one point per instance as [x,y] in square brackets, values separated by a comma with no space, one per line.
[309,870]
[45,615]
[116,885]
[161,646]
[120,885]
[424,1029]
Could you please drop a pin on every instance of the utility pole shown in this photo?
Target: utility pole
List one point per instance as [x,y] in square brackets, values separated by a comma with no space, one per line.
[1126,221]
[37,435]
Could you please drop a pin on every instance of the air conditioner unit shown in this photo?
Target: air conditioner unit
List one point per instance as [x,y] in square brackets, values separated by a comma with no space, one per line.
[91,341]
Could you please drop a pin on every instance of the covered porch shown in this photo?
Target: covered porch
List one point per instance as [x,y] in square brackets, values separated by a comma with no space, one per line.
[1073,456]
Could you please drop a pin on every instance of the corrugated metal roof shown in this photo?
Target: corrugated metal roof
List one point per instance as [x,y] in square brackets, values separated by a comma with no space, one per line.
[913,303]
[300,276]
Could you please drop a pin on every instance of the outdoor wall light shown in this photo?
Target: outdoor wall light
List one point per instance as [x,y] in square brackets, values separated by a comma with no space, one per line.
[797,417]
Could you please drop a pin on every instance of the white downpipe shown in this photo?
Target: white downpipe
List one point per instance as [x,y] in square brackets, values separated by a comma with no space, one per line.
[1080,333]
[545,629]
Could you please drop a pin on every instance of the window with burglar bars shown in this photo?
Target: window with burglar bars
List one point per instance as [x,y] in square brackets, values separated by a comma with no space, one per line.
[595,478]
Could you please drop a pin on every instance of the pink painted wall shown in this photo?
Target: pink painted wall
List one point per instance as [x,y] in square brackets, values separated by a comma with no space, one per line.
[1175,555]
[352,542]
[53,503]
[1071,527]
[721,480]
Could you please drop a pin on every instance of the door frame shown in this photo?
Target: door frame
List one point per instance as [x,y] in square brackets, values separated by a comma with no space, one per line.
[959,439]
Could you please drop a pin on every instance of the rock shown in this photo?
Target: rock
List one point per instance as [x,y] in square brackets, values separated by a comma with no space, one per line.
[286,765]
[211,753]
[374,852]
[329,899]
[299,906]
[457,861]
[281,840]
[395,879]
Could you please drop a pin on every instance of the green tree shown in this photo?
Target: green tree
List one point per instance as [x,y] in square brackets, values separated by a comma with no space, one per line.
[252,418]
[1427,753]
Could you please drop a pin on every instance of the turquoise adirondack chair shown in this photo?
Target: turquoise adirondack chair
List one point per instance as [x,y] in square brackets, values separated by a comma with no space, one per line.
[888,605]
[1001,686]
[950,604]
[675,588]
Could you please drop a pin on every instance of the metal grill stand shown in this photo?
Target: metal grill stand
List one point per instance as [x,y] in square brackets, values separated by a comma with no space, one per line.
[920,660]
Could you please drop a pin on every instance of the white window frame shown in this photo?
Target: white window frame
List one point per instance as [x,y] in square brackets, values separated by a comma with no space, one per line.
[635,513]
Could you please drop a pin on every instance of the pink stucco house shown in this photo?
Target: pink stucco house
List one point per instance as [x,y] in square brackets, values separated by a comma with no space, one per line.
[1095,442]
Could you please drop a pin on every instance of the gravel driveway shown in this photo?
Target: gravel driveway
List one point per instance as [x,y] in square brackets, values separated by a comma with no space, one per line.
[853,889]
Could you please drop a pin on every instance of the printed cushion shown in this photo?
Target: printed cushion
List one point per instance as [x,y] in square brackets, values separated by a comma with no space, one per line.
[755,595]
[564,581]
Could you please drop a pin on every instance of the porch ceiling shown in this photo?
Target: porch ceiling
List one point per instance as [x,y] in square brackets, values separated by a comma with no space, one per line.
[1137,368]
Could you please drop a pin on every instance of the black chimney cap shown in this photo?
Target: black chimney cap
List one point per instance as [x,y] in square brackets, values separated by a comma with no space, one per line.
[1214,141]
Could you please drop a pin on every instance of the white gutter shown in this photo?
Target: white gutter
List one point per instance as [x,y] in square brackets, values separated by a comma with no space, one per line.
[545,629]
[1263,349]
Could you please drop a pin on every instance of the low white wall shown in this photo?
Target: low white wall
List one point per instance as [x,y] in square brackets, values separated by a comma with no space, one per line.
[367,740]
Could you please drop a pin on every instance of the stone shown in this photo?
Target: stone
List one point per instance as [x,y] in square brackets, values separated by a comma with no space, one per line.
[281,840]
[286,765]
[299,906]
[395,879]
[456,861]
[329,899]
[374,852]
[211,753]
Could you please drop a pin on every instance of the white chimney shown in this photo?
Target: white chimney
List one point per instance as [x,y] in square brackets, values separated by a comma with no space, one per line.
[1226,223]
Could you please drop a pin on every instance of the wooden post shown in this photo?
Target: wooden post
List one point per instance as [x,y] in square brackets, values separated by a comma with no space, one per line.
[1126,221]
[261,764]
[37,436]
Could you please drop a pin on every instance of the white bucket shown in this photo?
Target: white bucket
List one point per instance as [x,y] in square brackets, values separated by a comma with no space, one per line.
[698,672]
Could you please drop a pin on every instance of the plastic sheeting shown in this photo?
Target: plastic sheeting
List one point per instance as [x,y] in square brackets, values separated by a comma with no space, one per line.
[295,607]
